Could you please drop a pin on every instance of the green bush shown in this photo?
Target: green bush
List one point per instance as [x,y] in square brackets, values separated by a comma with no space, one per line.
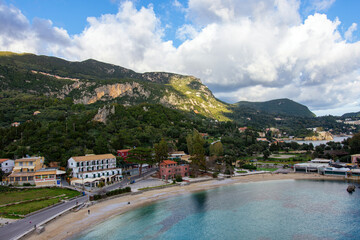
[97,197]
[26,184]
[249,166]
[178,178]
[215,175]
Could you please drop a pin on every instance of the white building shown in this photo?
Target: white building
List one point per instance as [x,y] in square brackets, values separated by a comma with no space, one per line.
[6,165]
[92,169]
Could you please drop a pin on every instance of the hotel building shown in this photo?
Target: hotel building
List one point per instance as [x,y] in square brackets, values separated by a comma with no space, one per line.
[90,170]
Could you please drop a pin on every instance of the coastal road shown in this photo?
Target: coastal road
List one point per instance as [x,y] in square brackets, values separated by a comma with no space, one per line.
[21,227]
[124,183]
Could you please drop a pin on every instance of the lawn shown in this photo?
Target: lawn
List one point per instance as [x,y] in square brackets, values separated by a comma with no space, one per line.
[267,169]
[18,210]
[30,194]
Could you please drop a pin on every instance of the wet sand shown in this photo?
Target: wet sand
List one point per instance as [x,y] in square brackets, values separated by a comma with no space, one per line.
[74,223]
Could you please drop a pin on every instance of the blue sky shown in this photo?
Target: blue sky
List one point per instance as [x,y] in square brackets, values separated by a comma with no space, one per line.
[72,15]
[255,50]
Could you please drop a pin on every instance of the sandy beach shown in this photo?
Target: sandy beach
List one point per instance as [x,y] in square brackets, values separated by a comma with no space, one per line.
[76,222]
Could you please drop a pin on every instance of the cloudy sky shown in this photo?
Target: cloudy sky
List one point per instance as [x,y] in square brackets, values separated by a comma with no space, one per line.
[255,50]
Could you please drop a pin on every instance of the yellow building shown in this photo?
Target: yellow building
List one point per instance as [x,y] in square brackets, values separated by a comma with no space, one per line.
[24,170]
[48,177]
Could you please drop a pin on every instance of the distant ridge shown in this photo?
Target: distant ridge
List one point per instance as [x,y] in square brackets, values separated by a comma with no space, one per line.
[352,114]
[282,106]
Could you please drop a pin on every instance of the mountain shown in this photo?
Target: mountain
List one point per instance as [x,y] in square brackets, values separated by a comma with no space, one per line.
[279,106]
[94,82]
[91,82]
[352,114]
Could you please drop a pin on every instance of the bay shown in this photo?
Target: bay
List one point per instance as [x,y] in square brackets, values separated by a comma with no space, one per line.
[286,209]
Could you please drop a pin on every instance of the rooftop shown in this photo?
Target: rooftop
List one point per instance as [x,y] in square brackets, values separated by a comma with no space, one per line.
[92,157]
[3,160]
[169,162]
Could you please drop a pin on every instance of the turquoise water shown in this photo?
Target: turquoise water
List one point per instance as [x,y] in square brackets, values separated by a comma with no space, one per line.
[289,209]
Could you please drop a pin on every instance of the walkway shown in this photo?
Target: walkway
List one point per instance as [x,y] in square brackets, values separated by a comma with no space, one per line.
[24,226]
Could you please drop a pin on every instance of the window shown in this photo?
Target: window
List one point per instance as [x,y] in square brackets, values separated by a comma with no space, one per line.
[86,176]
[77,164]
[11,179]
[20,163]
[30,163]
[30,178]
[17,179]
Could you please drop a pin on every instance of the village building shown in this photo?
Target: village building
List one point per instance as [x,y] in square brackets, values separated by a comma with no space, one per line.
[170,169]
[242,129]
[15,124]
[177,154]
[355,159]
[90,170]
[124,153]
[24,170]
[48,177]
[7,165]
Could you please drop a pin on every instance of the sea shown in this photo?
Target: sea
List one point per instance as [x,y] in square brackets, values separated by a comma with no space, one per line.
[317,143]
[284,209]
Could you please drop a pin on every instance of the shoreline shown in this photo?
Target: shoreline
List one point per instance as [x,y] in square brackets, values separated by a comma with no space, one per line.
[73,224]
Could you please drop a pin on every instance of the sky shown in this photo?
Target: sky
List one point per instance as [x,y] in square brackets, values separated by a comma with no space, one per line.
[243,50]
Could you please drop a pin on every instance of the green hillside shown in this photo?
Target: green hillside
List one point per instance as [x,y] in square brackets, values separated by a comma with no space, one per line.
[350,115]
[91,81]
[279,106]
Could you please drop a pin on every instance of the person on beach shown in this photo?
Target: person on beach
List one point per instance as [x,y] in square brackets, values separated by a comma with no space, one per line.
[89,211]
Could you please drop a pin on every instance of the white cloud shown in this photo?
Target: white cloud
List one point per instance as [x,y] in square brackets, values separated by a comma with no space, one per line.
[349,33]
[243,50]
[321,5]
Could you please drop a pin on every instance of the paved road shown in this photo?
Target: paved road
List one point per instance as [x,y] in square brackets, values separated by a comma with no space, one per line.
[21,227]
[125,182]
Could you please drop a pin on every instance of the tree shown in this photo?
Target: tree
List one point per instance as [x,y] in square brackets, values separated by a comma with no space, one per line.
[354,144]
[266,154]
[161,151]
[140,156]
[216,149]
[195,144]
[2,174]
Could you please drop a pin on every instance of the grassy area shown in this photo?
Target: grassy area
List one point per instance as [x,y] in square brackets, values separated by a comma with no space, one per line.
[267,169]
[18,210]
[146,188]
[26,208]
[241,171]
[30,194]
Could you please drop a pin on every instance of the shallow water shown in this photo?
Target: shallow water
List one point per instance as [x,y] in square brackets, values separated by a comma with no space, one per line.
[287,209]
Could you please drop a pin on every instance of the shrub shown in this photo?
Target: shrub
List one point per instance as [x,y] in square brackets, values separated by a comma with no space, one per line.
[227,172]
[178,178]
[249,166]
[26,184]
[215,175]
[97,197]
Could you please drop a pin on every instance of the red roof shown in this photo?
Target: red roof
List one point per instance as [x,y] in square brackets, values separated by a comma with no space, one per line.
[3,160]
[124,150]
[169,162]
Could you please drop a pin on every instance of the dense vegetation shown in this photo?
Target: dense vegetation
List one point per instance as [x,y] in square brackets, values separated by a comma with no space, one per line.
[279,106]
